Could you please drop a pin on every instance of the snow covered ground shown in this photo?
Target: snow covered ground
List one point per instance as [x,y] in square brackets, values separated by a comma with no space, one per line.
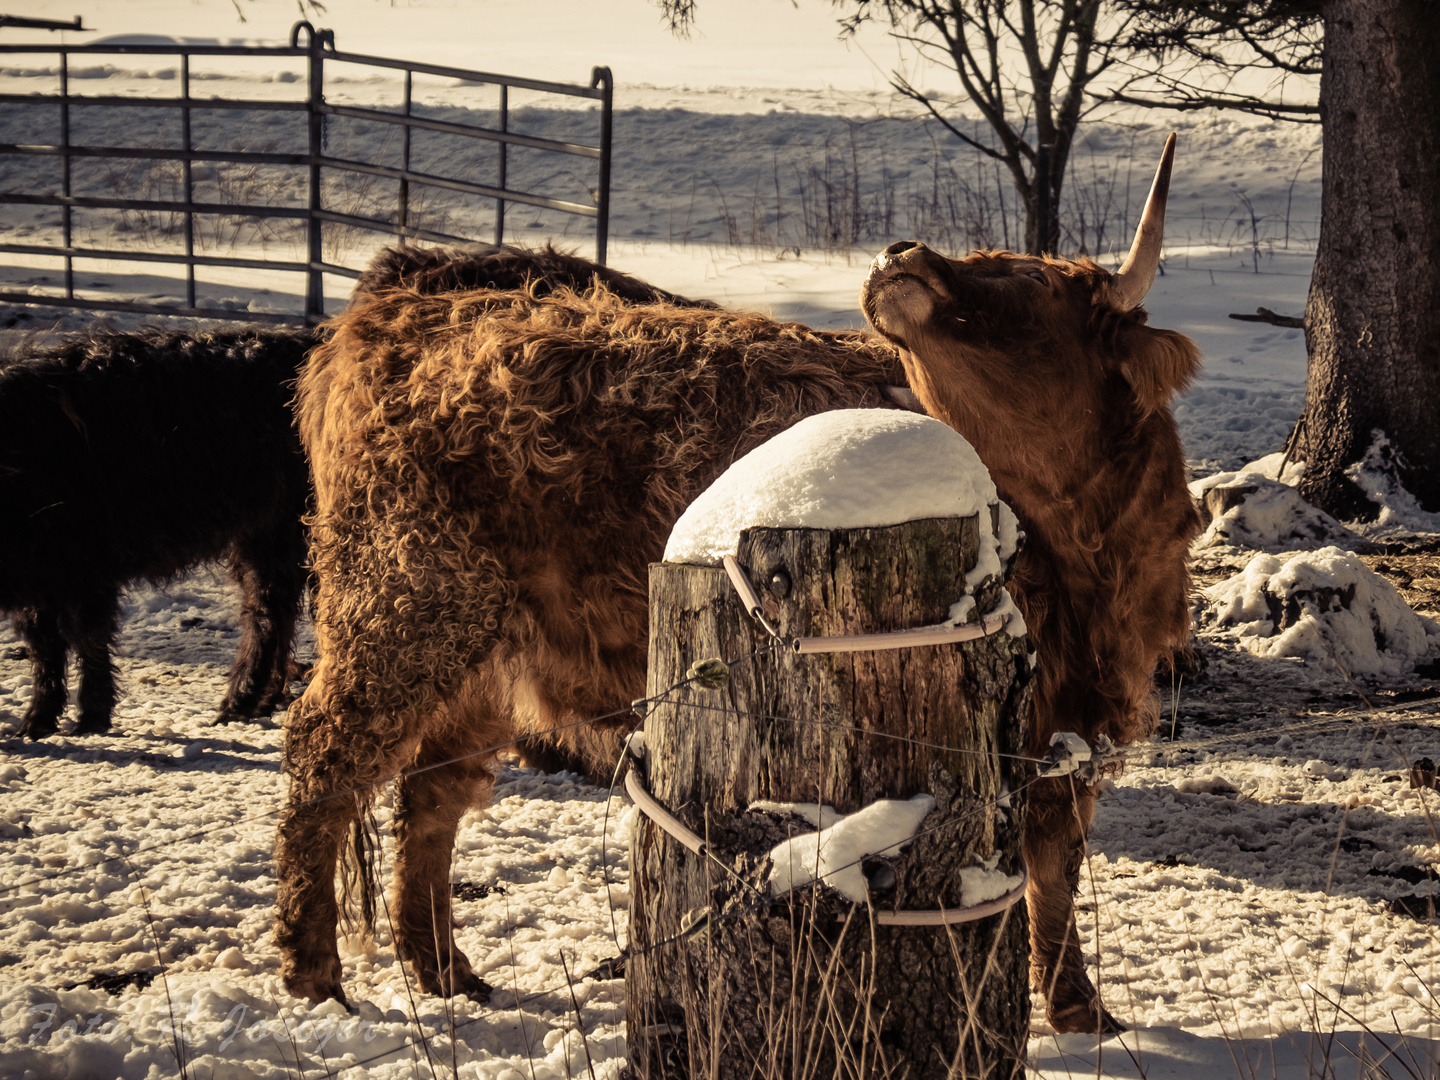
[1258,881]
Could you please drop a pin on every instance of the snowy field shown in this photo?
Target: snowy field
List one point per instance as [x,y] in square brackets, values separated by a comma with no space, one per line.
[1258,888]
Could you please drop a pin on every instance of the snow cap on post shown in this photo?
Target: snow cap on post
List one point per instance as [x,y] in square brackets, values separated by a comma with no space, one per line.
[851,468]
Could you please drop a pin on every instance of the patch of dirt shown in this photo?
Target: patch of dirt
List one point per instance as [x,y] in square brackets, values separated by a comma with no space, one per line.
[469,890]
[1414,569]
[116,984]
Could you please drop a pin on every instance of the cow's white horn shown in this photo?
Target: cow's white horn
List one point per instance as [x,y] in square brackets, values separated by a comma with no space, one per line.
[1132,281]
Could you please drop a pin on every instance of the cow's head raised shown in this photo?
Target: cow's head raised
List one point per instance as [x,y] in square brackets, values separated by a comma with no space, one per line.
[1027,354]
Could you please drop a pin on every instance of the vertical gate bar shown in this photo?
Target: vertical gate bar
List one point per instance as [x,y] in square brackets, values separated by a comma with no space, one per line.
[601,77]
[65,223]
[504,146]
[405,157]
[189,181]
[315,277]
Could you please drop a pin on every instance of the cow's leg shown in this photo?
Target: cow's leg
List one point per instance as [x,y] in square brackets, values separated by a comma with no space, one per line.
[444,782]
[397,640]
[272,583]
[334,752]
[1057,818]
[40,630]
[96,622]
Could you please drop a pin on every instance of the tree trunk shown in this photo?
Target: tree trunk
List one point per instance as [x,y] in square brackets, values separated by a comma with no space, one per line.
[808,983]
[1042,217]
[1040,195]
[1373,317]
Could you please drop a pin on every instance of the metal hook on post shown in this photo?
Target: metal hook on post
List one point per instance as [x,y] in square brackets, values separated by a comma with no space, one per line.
[314,39]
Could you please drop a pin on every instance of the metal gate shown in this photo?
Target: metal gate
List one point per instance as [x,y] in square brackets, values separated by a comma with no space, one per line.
[325,168]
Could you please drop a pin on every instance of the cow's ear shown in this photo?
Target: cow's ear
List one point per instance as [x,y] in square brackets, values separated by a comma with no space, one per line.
[1158,364]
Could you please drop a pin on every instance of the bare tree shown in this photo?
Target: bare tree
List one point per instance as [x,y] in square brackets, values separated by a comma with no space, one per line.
[1031,68]
[1028,66]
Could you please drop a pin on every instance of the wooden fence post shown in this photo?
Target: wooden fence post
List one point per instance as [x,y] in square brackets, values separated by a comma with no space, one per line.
[725,980]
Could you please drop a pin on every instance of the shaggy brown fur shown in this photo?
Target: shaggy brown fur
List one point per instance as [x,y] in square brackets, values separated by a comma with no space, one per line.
[538,271]
[493,473]
[1066,400]
[464,268]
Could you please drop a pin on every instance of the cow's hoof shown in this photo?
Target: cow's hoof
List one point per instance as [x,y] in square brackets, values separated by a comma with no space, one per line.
[455,982]
[36,727]
[89,725]
[273,703]
[1083,1017]
[476,989]
[317,991]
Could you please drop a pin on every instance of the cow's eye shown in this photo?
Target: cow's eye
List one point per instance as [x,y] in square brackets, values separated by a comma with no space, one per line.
[1038,275]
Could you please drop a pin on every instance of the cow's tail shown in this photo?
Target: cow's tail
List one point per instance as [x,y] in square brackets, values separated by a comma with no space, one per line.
[359,870]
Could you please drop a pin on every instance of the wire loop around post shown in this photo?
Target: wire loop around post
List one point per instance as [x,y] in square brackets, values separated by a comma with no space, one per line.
[914,638]
[651,807]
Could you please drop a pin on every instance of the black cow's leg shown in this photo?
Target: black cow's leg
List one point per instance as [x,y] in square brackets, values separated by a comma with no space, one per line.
[272,584]
[97,621]
[40,630]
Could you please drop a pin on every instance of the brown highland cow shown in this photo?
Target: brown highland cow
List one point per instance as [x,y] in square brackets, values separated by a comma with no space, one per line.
[1047,367]
[495,470]
[494,473]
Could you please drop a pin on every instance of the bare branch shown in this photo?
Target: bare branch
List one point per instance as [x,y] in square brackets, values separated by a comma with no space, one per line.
[915,95]
[678,15]
[1273,58]
[1273,110]
[1265,315]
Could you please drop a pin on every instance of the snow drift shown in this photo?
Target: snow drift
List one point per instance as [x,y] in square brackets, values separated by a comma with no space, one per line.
[1325,606]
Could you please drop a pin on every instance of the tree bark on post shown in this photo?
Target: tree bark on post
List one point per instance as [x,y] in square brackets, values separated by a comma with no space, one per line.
[725,980]
[1373,317]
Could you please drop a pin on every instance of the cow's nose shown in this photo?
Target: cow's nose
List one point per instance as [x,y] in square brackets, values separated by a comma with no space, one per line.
[899,246]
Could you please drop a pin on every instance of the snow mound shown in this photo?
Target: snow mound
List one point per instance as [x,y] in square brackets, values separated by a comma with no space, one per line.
[1275,467]
[834,853]
[1375,475]
[852,468]
[1322,605]
[1253,510]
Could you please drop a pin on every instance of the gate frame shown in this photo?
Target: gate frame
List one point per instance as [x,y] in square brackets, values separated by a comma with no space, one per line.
[318,48]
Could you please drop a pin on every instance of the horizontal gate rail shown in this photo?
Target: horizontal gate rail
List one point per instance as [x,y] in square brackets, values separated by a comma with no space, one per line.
[190,311]
[241,104]
[439,70]
[100,202]
[579,209]
[308,209]
[388,227]
[123,49]
[175,258]
[489,134]
[243,157]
